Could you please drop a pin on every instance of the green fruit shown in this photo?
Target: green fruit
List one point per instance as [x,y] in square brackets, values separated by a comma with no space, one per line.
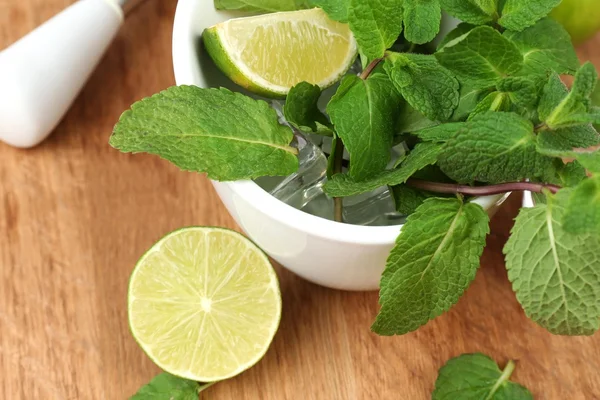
[580,17]
[204,303]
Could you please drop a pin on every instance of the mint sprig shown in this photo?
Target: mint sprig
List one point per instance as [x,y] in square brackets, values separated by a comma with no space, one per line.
[486,113]
[477,376]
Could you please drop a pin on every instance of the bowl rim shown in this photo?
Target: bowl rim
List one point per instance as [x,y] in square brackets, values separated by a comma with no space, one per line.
[183,67]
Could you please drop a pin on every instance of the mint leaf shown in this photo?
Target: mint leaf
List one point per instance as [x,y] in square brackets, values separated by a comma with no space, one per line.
[569,174]
[553,93]
[581,143]
[554,273]
[569,110]
[331,160]
[520,14]
[495,101]
[522,91]
[592,116]
[411,120]
[435,259]
[261,5]
[302,111]
[461,29]
[362,112]
[563,142]
[342,185]
[583,209]
[472,11]
[408,199]
[584,85]
[337,10]
[546,47]
[589,158]
[495,147]
[376,25]
[470,97]
[481,57]
[227,135]
[424,83]
[477,376]
[165,386]
[488,6]
[441,133]
[421,20]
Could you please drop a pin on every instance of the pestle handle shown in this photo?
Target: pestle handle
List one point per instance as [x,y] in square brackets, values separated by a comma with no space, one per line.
[42,73]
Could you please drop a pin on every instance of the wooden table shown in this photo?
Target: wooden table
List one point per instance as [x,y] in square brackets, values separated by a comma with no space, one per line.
[75,215]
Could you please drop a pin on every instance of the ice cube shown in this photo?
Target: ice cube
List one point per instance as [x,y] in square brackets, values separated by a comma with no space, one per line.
[304,185]
[376,208]
[304,189]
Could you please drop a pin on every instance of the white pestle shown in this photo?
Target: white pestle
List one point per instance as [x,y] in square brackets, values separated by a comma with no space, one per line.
[42,73]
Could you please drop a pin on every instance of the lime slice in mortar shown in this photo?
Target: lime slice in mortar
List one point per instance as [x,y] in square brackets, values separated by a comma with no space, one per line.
[269,54]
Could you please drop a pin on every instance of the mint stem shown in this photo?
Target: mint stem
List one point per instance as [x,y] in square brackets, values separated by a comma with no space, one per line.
[508,370]
[506,373]
[203,386]
[367,71]
[338,202]
[451,188]
[338,161]
[541,127]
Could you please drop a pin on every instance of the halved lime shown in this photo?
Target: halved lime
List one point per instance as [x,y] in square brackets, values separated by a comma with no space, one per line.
[204,303]
[269,54]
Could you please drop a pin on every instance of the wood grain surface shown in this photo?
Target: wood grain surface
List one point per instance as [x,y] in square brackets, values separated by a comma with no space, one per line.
[75,215]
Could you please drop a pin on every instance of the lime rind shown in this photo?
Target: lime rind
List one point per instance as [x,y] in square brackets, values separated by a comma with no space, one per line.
[214,46]
[170,298]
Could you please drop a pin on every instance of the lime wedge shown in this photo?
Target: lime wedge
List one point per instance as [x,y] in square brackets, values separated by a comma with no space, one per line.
[269,54]
[204,303]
